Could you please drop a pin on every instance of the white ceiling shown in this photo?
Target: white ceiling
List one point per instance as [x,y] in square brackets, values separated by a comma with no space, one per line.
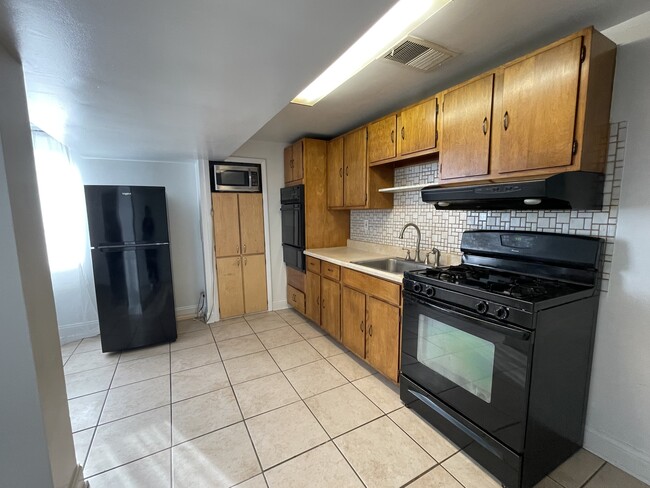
[177,80]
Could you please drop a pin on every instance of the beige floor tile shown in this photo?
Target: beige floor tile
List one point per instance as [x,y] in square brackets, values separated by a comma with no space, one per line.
[192,339]
[86,382]
[342,409]
[313,378]
[577,469]
[382,392]
[150,472]
[279,337]
[326,346]
[350,366]
[129,439]
[193,382]
[223,332]
[323,466]
[204,413]
[436,478]
[432,441]
[296,354]
[141,369]
[294,318]
[65,358]
[610,476]
[246,368]
[470,474]
[89,344]
[283,433]
[239,346]
[220,459]
[548,483]
[90,360]
[82,444]
[267,322]
[135,398]
[194,357]
[308,330]
[190,325]
[68,348]
[264,394]
[255,482]
[85,410]
[144,352]
[373,452]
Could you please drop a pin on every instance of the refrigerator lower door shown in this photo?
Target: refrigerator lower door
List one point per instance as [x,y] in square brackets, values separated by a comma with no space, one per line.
[135,299]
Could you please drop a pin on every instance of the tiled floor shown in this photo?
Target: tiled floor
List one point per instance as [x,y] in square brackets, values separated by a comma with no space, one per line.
[265,401]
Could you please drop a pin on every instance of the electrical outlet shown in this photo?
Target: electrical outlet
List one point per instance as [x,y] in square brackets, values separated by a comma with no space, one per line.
[365,226]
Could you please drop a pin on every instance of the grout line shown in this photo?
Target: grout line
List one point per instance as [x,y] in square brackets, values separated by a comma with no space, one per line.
[130,462]
[590,477]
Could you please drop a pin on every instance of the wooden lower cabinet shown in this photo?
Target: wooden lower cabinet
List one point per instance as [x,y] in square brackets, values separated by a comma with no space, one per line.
[353,324]
[382,337]
[254,278]
[231,291]
[312,297]
[296,299]
[330,297]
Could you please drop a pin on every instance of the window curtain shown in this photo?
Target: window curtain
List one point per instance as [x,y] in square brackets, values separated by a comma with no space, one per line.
[66,236]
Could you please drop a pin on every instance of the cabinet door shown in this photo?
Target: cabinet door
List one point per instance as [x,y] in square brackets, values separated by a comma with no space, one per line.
[225,220]
[255,299]
[466,120]
[312,292]
[330,297]
[354,159]
[335,172]
[540,95]
[231,291]
[288,164]
[298,161]
[382,337]
[418,127]
[251,222]
[353,323]
[382,139]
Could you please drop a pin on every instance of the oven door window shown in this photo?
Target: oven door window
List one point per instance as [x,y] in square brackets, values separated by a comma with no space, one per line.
[292,226]
[232,178]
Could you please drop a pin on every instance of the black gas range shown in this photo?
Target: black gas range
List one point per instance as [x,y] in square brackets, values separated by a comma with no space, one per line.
[496,352]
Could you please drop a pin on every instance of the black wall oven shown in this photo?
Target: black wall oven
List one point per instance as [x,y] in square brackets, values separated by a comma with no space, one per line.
[292,199]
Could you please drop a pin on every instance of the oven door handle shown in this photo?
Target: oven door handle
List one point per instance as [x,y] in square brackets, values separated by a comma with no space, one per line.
[522,335]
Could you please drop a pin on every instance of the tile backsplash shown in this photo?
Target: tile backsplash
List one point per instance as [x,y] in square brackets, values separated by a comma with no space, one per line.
[443,228]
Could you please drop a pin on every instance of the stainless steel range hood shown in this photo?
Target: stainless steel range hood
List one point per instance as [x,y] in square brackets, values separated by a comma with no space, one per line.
[571,190]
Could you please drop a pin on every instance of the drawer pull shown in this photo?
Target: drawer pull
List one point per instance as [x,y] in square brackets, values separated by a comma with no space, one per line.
[370,331]
[392,136]
[361,326]
[485,126]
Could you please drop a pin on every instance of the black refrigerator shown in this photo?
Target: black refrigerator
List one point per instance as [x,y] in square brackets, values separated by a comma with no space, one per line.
[129,243]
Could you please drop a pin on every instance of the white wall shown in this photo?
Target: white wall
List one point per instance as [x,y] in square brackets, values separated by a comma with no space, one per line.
[618,423]
[36,448]
[180,181]
[273,153]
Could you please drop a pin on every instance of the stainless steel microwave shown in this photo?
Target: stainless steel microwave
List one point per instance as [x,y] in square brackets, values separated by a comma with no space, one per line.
[237,177]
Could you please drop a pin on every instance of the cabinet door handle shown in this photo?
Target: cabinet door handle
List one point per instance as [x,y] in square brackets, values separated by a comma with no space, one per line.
[347,170]
[402,132]
[237,263]
[323,302]
[291,164]
[485,126]
[244,247]
[245,261]
[361,326]
[237,249]
[341,171]
[392,136]
[506,121]
[318,300]
[370,331]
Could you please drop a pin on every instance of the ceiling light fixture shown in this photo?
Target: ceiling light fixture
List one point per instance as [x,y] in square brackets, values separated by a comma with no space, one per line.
[398,22]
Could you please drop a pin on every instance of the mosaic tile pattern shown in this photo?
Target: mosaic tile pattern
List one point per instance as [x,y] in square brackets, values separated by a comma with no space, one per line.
[443,228]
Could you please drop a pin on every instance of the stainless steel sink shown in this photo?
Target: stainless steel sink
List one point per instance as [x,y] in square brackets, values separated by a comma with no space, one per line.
[392,265]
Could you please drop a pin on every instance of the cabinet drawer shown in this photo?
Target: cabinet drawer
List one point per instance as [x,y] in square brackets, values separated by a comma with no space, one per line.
[329,270]
[296,299]
[313,265]
[296,279]
[376,287]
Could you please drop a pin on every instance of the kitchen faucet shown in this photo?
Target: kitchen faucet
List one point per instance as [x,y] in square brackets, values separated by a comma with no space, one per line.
[417,244]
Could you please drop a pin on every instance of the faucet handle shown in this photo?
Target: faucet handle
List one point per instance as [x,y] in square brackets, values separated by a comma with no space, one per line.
[408,254]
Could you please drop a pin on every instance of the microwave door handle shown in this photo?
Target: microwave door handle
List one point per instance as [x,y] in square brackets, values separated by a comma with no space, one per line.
[501,329]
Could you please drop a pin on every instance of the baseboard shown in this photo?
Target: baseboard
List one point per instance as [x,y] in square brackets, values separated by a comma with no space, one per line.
[80,330]
[621,455]
[77,480]
[280,305]
[183,313]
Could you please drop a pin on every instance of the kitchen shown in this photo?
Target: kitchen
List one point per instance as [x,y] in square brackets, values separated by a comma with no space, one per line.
[615,424]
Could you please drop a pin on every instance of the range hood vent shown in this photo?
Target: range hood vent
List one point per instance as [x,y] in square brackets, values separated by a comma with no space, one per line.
[571,190]
[419,54]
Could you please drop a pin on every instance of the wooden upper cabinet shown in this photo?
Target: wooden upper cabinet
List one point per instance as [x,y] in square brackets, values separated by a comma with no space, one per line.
[288,164]
[251,218]
[538,119]
[466,126]
[382,337]
[382,139]
[330,297]
[231,291]
[293,162]
[355,171]
[225,220]
[335,173]
[254,279]
[418,125]
[312,297]
[353,323]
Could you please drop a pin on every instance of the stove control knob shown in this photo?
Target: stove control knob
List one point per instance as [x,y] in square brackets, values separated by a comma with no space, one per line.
[482,307]
[430,291]
[502,313]
[417,287]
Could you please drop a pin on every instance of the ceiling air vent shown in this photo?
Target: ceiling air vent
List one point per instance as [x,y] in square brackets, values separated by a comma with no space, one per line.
[419,54]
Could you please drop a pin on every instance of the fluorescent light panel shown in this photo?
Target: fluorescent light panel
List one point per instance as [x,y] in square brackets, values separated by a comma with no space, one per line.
[397,23]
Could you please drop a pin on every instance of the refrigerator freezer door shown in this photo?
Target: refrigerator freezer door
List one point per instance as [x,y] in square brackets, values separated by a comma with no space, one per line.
[135,300]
